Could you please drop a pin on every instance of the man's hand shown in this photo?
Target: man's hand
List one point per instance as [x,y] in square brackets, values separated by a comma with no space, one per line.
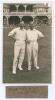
[28,41]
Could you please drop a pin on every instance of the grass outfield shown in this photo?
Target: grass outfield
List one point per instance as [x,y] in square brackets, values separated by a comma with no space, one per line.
[43,75]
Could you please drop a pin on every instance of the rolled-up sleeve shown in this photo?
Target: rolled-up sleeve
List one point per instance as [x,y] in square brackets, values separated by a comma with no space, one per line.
[40,34]
[12,32]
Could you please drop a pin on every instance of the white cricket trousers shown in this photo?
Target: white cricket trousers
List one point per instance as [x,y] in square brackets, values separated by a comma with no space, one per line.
[19,51]
[32,48]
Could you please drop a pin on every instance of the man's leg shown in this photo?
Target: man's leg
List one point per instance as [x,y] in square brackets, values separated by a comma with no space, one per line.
[21,57]
[35,55]
[29,51]
[15,61]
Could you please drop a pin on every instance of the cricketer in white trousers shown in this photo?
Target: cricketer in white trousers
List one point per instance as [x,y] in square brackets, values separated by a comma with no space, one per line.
[19,47]
[32,46]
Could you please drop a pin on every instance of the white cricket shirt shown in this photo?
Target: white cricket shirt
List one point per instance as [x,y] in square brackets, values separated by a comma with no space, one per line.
[32,35]
[19,34]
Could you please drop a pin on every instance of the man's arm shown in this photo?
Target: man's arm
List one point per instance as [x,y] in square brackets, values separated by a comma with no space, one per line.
[12,33]
[40,34]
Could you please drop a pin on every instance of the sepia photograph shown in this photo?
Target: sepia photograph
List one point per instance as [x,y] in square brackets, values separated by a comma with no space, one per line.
[27,33]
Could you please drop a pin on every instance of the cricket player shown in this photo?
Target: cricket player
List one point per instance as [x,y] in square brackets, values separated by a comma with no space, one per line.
[32,45]
[19,34]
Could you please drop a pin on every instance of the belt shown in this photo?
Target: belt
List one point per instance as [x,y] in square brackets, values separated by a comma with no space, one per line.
[19,40]
[33,40]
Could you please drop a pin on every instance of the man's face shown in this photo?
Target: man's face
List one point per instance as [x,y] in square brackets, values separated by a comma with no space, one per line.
[27,26]
[31,26]
[21,26]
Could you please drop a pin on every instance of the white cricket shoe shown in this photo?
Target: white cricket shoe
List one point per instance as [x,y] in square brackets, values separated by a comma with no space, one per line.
[19,67]
[13,72]
[29,67]
[37,67]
